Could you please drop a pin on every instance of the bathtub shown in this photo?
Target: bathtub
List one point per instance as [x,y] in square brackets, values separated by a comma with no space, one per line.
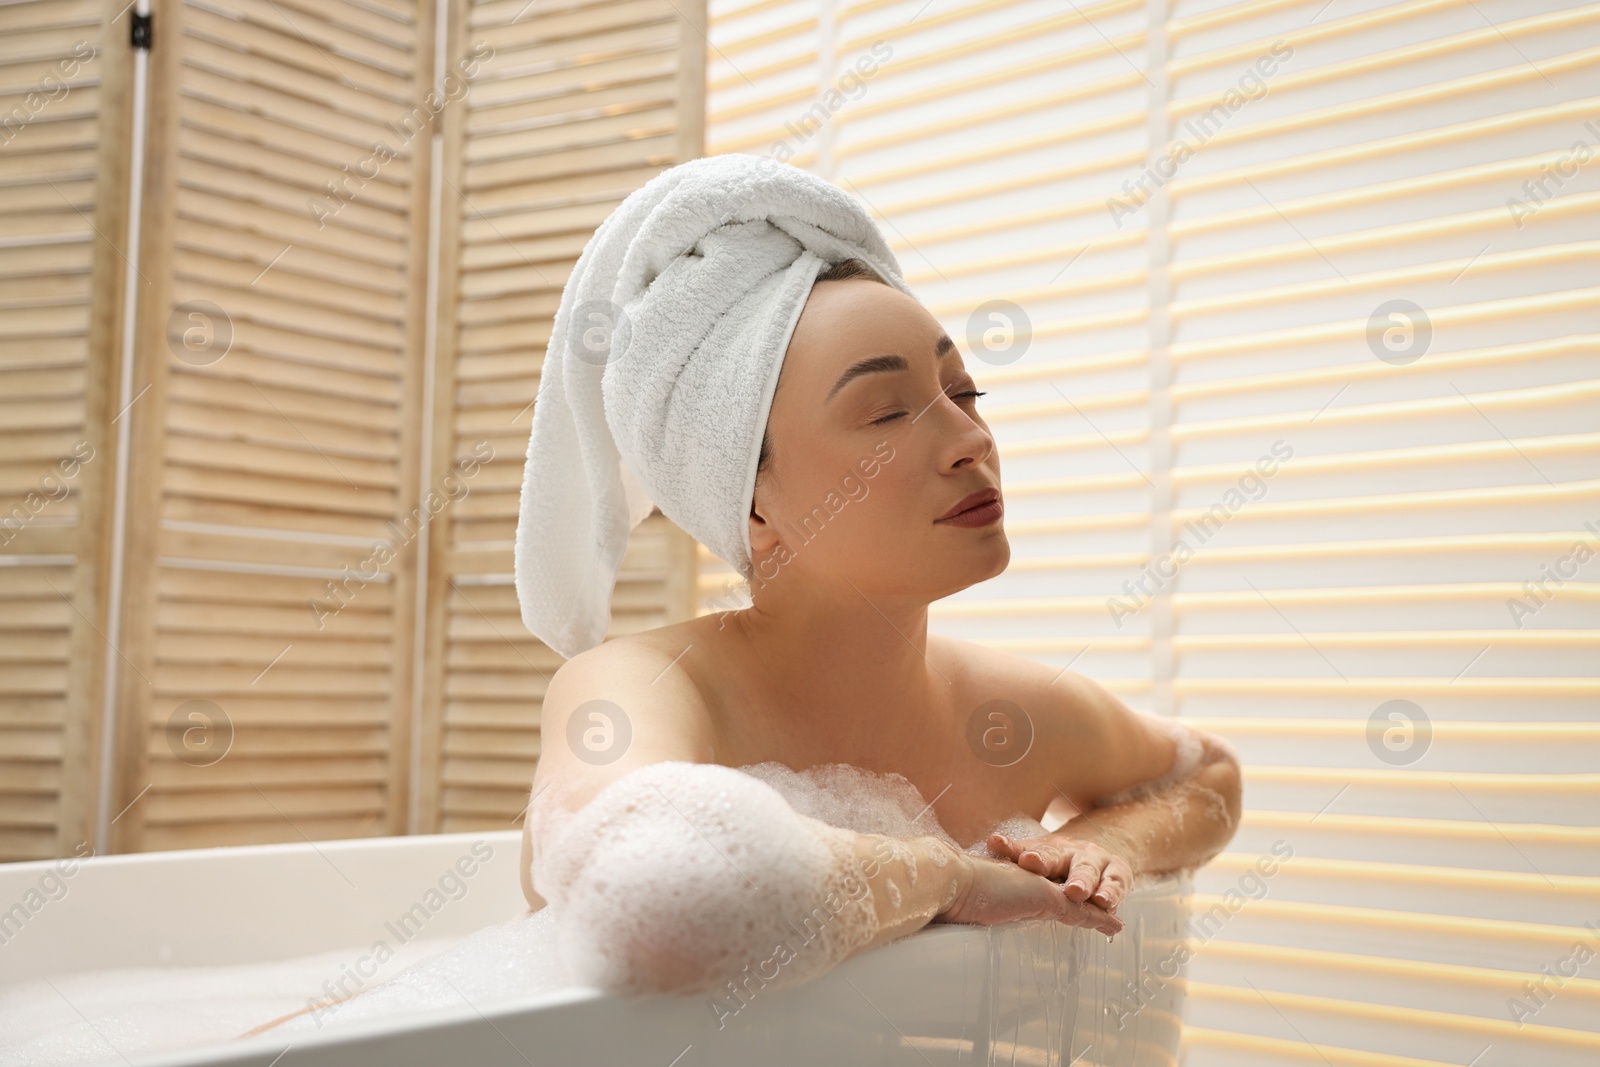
[1032,993]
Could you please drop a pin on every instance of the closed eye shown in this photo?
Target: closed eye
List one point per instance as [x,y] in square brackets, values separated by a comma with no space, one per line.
[974,393]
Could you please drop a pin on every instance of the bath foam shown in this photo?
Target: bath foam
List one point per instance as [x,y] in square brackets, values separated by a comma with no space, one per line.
[852,798]
[678,875]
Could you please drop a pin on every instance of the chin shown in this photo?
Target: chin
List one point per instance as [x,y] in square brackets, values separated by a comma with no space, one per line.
[1001,555]
[977,564]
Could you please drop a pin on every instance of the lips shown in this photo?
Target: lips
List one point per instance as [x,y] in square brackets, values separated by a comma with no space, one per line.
[970,501]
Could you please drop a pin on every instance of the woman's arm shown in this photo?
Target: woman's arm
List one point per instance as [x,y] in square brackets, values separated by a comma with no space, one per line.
[670,872]
[1152,794]
[687,877]
[970,889]
[1180,825]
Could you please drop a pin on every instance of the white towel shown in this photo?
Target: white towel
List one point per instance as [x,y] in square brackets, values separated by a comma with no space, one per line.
[660,371]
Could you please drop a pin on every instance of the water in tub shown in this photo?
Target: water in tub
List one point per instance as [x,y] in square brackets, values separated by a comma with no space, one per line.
[102,1016]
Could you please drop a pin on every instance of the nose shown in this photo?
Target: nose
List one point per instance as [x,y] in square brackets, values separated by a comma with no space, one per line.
[966,440]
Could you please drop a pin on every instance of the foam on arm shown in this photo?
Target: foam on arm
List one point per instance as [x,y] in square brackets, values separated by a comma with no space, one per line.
[681,876]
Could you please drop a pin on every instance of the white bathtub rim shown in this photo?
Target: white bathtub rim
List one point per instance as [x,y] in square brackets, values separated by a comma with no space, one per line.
[343,845]
[552,1001]
[390,1026]
[360,1030]
[263,1047]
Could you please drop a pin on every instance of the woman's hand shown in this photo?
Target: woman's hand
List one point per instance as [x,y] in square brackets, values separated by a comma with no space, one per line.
[1091,871]
[991,891]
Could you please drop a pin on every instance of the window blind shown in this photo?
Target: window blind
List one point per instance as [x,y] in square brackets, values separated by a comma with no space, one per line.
[1301,448]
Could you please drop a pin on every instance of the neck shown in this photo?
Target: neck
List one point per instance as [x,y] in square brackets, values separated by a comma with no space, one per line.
[850,666]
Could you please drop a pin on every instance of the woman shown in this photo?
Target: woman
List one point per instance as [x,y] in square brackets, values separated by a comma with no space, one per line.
[833,661]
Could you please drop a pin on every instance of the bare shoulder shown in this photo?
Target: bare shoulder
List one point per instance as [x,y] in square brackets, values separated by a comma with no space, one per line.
[633,682]
[630,653]
[1089,742]
[982,673]
[644,647]
[619,705]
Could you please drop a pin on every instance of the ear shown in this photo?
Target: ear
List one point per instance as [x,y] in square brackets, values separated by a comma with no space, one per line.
[763,538]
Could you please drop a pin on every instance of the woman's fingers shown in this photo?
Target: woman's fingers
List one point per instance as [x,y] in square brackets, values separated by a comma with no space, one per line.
[1114,883]
[1042,858]
[1083,914]
[1089,871]
[1010,848]
[1083,877]
[1004,891]
[1077,913]
[1037,854]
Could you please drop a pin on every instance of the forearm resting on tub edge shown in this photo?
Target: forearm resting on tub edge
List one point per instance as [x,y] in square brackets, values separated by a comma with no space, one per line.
[1174,823]
[682,877]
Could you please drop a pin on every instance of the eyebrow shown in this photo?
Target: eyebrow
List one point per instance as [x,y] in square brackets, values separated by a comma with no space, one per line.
[889,362]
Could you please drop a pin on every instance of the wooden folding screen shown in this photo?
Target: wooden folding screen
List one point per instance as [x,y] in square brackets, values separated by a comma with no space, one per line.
[572,106]
[63,119]
[275,374]
[296,579]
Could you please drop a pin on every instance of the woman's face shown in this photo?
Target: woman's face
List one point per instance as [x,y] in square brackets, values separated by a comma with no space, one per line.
[872,441]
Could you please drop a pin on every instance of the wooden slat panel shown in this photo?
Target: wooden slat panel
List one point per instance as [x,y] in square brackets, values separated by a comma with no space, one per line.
[576,108]
[274,454]
[270,550]
[59,160]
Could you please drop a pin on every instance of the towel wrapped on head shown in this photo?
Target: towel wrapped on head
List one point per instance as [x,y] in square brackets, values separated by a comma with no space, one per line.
[660,371]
